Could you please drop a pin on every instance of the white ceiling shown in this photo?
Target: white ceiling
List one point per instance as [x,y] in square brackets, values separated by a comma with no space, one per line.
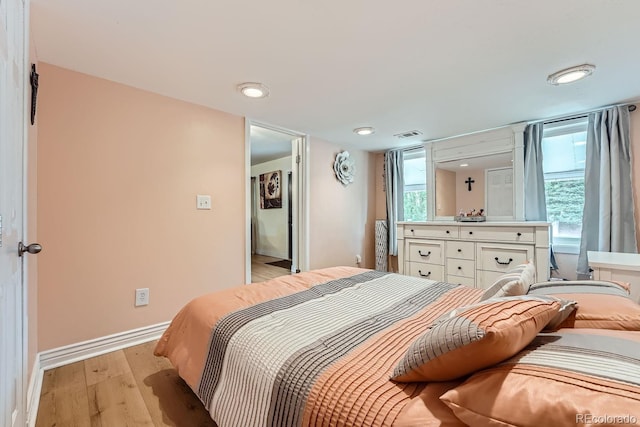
[267,144]
[444,67]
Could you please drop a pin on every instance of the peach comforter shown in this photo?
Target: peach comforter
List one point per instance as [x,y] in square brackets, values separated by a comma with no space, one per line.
[312,349]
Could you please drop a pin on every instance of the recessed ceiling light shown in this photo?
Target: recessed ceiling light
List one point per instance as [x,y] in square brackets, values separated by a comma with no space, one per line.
[464,165]
[253,90]
[571,75]
[364,131]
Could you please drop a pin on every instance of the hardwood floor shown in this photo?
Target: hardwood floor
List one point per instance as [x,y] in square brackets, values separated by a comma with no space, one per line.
[261,271]
[129,387]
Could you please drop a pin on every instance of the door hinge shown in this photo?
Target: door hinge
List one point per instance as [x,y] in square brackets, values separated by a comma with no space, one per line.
[297,158]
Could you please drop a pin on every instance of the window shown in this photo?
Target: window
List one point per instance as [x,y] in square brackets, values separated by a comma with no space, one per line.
[564,153]
[415,185]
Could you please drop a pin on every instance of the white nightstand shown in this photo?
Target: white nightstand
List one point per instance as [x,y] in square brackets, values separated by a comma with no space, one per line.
[617,266]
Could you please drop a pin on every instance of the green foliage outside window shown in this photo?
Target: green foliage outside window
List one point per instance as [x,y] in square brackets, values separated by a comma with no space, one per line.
[565,200]
[415,205]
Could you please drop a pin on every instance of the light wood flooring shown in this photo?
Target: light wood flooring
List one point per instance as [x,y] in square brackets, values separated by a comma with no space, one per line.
[129,387]
[261,271]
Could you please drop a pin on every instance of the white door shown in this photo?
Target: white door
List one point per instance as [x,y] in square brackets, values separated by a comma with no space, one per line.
[499,193]
[12,132]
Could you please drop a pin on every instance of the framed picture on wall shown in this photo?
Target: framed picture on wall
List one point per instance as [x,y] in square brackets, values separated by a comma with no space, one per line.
[270,186]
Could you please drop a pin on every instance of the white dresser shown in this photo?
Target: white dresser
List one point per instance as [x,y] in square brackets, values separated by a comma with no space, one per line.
[472,254]
[617,266]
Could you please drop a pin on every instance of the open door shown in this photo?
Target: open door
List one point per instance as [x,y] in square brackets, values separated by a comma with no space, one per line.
[13,119]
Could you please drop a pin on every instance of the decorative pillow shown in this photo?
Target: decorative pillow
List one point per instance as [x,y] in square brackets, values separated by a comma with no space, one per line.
[601,304]
[573,377]
[475,337]
[514,282]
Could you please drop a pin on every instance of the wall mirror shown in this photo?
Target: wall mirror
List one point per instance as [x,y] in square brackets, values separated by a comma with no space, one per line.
[483,170]
[474,183]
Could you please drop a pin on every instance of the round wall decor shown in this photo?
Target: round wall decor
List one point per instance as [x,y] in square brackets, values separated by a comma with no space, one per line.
[344,168]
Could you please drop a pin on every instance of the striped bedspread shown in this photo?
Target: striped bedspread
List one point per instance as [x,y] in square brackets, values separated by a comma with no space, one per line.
[318,356]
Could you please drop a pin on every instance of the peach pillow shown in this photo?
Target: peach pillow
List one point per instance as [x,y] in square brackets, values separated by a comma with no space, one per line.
[474,337]
[562,379]
[600,304]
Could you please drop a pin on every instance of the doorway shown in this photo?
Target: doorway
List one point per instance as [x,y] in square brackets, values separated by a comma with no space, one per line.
[276,236]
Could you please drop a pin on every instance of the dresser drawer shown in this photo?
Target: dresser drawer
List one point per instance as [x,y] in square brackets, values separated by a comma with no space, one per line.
[502,234]
[426,271]
[461,250]
[424,251]
[442,231]
[461,267]
[487,278]
[459,280]
[503,257]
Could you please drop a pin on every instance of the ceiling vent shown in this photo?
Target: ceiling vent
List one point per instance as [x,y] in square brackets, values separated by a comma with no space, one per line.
[409,134]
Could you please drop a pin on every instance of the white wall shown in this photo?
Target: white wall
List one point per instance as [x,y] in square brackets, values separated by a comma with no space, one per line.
[271,225]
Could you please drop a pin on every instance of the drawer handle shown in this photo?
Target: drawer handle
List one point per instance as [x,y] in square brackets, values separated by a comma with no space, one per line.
[447,231]
[459,250]
[519,234]
[471,232]
[424,275]
[412,230]
[421,254]
[459,268]
[504,263]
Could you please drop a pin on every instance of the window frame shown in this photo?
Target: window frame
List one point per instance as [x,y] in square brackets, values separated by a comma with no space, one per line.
[412,154]
[565,245]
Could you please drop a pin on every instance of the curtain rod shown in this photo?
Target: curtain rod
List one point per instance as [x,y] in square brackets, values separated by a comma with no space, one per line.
[631,107]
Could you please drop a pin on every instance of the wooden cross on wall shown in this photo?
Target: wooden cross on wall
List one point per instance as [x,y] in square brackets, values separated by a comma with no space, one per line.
[469,181]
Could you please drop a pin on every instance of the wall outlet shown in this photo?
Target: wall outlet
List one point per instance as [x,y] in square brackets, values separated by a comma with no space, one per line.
[358,259]
[142,296]
[203,201]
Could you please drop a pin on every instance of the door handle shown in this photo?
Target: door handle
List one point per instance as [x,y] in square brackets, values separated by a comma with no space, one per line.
[33,248]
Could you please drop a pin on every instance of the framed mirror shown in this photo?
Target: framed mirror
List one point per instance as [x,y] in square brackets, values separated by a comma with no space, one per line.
[472,184]
[483,170]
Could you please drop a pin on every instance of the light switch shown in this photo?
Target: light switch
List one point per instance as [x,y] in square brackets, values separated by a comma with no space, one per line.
[203,201]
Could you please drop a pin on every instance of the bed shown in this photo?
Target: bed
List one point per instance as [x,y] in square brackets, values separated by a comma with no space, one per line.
[346,346]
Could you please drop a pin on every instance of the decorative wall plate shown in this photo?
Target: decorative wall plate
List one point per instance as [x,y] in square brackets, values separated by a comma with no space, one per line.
[344,168]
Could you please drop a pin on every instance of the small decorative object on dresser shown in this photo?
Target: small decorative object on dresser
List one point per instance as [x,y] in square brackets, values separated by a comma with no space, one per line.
[344,168]
[471,216]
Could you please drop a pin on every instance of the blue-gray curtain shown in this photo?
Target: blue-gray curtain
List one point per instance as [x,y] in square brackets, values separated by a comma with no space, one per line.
[535,205]
[394,184]
[535,202]
[608,222]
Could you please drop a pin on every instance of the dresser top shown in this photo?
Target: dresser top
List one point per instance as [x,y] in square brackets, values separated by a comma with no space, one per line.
[481,224]
[614,260]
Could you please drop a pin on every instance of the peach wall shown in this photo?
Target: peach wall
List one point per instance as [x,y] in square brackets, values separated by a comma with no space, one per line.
[118,173]
[445,197]
[473,199]
[341,219]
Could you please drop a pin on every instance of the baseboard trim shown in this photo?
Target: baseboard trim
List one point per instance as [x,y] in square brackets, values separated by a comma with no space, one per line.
[33,391]
[65,355]
[83,350]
